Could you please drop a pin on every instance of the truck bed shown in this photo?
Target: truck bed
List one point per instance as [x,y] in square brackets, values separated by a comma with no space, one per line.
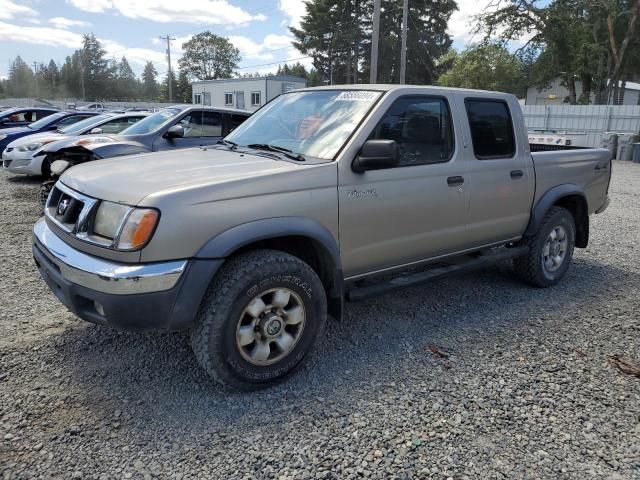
[590,168]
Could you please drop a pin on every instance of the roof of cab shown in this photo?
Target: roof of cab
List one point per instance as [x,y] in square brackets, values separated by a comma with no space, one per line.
[184,106]
[383,87]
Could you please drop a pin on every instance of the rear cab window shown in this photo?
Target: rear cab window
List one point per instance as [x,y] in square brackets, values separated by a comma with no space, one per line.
[491,128]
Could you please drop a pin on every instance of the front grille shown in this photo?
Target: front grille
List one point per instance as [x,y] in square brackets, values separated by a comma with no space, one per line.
[69,209]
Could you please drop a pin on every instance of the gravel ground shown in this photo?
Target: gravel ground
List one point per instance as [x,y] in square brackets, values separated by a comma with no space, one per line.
[473,377]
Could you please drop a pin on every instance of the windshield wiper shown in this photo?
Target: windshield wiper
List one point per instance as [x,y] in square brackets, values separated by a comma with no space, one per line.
[228,143]
[274,148]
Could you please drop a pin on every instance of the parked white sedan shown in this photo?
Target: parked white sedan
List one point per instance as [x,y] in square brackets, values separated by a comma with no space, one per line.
[20,156]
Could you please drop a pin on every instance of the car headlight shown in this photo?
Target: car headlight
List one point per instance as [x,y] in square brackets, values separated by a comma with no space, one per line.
[33,146]
[130,228]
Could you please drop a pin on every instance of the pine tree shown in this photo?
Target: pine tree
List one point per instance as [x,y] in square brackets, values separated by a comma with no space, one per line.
[49,79]
[127,85]
[95,67]
[183,92]
[149,82]
[164,88]
[337,34]
[21,79]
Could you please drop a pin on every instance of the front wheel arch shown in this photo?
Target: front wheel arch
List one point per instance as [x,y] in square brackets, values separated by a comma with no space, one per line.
[301,237]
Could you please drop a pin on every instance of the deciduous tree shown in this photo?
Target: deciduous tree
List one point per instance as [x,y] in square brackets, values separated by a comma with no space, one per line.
[208,56]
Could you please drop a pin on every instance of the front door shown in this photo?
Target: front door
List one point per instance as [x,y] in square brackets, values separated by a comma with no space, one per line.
[416,210]
[194,133]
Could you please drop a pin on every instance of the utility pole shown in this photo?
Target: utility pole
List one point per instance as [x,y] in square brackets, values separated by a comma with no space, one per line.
[168,38]
[403,52]
[375,34]
[35,75]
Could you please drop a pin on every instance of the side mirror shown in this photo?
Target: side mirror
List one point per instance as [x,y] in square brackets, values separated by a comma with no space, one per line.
[175,131]
[96,130]
[52,127]
[376,155]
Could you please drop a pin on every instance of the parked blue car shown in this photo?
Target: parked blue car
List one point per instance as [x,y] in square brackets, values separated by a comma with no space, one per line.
[49,123]
[21,117]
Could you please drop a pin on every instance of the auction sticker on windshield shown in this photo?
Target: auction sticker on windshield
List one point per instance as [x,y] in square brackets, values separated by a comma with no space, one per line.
[357,96]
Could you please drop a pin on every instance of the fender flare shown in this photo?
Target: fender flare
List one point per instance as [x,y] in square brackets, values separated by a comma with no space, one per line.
[548,199]
[235,238]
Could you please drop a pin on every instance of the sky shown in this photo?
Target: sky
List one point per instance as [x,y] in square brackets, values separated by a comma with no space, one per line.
[40,30]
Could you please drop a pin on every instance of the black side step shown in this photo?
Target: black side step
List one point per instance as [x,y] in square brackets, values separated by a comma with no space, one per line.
[473,263]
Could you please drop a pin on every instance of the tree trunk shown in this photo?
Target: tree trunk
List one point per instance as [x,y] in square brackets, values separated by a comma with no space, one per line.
[571,85]
[585,96]
[619,54]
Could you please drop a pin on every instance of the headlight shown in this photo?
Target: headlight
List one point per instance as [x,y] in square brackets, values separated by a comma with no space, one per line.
[130,227]
[32,146]
[108,219]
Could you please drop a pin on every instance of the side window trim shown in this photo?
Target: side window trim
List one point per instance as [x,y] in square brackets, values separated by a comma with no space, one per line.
[426,96]
[513,135]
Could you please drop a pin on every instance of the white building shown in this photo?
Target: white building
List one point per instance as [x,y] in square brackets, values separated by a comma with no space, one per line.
[556,93]
[244,93]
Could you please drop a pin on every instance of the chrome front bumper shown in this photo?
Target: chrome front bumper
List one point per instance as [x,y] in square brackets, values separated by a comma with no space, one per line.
[101,275]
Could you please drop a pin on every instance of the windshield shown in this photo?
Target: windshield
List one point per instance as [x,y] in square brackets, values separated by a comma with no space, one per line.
[84,124]
[313,123]
[152,122]
[43,122]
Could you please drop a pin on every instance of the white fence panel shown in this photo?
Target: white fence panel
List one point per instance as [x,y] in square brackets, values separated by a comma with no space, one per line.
[589,120]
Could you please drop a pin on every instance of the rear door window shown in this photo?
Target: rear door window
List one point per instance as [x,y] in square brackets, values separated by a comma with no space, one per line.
[211,124]
[232,121]
[491,128]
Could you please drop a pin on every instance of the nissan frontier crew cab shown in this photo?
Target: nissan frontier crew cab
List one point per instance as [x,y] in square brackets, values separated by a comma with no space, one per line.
[323,195]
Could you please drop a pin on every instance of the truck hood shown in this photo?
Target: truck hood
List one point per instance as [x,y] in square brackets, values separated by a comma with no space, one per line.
[131,179]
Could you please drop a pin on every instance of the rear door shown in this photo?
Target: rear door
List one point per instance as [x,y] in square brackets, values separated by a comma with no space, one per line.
[501,175]
[416,210]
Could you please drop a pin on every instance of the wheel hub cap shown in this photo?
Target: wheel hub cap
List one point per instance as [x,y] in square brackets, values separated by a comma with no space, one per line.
[270,326]
[555,249]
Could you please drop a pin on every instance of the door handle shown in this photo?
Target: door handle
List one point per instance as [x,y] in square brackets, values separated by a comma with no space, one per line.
[517,173]
[455,181]
[602,167]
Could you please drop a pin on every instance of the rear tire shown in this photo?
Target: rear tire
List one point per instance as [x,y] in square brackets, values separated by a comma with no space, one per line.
[260,318]
[550,250]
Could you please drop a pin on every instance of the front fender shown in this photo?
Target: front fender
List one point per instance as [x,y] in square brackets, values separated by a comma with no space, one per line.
[227,242]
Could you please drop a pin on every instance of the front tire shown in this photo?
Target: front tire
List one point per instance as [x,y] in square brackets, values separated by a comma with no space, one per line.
[260,318]
[550,250]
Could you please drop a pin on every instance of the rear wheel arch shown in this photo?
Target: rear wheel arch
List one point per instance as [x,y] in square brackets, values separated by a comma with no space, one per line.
[570,197]
[301,237]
